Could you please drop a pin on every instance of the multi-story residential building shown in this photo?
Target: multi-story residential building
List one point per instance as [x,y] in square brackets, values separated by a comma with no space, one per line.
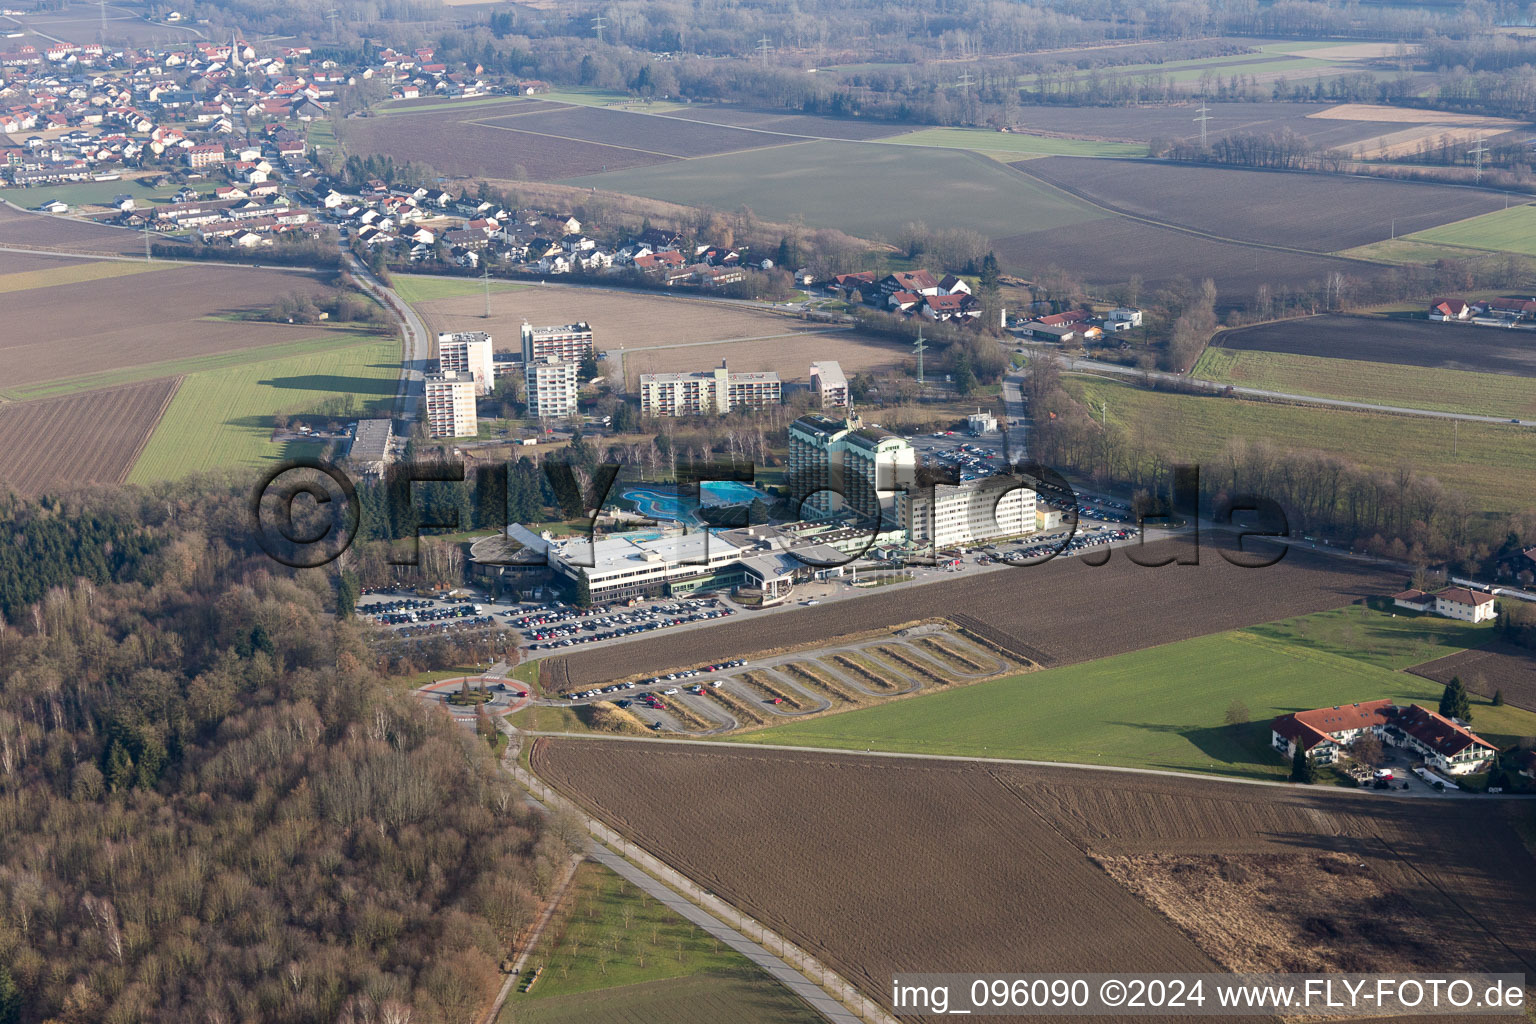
[570,342]
[1326,734]
[451,405]
[205,155]
[710,391]
[838,464]
[551,387]
[828,383]
[468,352]
[980,511]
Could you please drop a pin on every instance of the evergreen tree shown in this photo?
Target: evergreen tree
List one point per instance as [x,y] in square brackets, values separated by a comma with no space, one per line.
[119,770]
[589,365]
[1455,703]
[347,591]
[10,998]
[583,598]
[1302,768]
[990,275]
[1498,698]
[965,376]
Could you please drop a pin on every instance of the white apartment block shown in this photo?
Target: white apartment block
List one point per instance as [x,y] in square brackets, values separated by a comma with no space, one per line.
[451,405]
[714,391]
[568,342]
[468,352]
[981,511]
[828,383]
[552,387]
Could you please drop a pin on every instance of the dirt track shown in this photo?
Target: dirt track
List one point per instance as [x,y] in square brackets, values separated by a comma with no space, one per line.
[1062,612]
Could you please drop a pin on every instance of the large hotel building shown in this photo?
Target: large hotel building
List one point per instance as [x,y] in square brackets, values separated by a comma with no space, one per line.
[710,391]
[838,464]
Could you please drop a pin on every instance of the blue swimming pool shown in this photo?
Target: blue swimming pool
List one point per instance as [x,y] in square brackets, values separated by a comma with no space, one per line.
[666,505]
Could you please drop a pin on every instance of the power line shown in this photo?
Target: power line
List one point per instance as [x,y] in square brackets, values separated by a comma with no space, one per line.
[919,347]
[598,23]
[1479,153]
[1204,119]
[764,48]
[966,80]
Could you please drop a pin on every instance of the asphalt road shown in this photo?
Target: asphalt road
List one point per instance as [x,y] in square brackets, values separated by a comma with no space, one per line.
[418,343]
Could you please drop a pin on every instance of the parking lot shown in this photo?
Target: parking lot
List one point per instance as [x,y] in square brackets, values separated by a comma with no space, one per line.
[561,627]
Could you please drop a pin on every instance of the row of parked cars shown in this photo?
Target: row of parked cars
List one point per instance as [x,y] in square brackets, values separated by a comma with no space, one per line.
[688,673]
[425,628]
[620,624]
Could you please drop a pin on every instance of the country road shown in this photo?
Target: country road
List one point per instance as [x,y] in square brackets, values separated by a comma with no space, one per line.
[418,343]
[1079,365]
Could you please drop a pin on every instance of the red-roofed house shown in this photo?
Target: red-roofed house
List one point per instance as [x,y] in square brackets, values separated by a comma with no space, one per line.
[1414,601]
[1326,732]
[1464,604]
[1449,309]
[1441,742]
[1323,733]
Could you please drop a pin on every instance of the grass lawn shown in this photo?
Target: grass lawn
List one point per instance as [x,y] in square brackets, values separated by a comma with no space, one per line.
[222,419]
[1165,707]
[1013,145]
[414,288]
[616,954]
[860,188]
[191,364]
[1415,387]
[1406,251]
[1495,463]
[1511,230]
[85,193]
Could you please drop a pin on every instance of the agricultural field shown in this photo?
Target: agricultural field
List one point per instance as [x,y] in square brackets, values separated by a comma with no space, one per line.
[1510,230]
[1481,350]
[26,230]
[1498,666]
[223,419]
[790,354]
[811,126]
[1176,121]
[1110,251]
[1410,387]
[1314,212]
[87,438]
[1162,708]
[87,193]
[1493,463]
[673,332]
[459,146]
[1012,145]
[414,288]
[126,321]
[665,136]
[862,189]
[733,819]
[1092,612]
[44,272]
[612,953]
[83,21]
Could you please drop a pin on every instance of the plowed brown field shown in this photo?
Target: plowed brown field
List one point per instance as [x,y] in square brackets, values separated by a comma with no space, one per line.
[1061,612]
[1498,666]
[882,865]
[87,438]
[143,318]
